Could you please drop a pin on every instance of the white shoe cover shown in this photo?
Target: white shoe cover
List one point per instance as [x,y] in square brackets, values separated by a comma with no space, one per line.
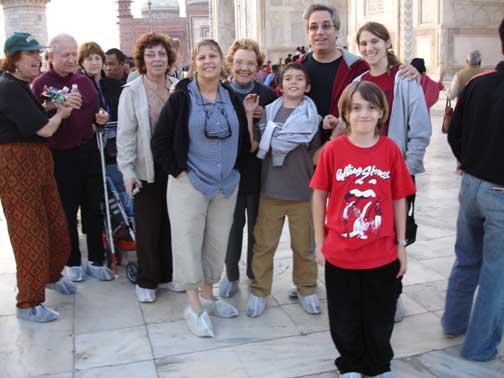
[228,288]
[145,295]
[219,308]
[351,374]
[39,314]
[293,292]
[199,324]
[256,306]
[63,286]
[310,303]
[101,273]
[75,273]
[175,287]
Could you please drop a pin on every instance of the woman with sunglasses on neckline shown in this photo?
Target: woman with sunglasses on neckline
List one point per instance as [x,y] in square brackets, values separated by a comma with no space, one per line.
[201,139]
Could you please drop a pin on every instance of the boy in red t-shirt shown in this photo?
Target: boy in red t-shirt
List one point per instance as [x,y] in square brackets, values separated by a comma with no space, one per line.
[361,235]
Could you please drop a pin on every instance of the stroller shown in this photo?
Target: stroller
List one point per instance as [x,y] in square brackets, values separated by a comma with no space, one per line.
[119,225]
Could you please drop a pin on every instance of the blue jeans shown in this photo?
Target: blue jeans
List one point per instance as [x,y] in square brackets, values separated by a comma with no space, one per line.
[479,251]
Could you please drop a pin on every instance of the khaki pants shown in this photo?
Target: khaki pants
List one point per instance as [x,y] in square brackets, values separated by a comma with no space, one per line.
[200,232]
[267,234]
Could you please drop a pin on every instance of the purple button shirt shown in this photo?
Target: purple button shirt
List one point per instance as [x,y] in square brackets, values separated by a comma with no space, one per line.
[78,127]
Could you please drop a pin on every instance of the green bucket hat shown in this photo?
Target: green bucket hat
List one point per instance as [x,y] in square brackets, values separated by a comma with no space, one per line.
[21,42]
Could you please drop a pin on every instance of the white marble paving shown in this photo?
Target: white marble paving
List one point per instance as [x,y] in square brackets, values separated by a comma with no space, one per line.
[114,347]
[418,273]
[222,363]
[143,369]
[430,295]
[308,323]
[441,265]
[102,306]
[419,334]
[28,349]
[288,357]
[173,338]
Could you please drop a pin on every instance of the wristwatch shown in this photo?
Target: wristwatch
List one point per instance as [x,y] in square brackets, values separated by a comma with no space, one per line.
[402,242]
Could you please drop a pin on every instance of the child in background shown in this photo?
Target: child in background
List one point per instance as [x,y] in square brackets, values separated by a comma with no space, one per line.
[364,177]
[289,139]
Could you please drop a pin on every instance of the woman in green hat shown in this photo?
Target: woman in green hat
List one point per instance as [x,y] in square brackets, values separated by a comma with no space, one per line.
[35,220]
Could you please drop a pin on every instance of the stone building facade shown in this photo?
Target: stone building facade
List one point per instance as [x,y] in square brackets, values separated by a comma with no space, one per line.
[26,16]
[440,31]
[277,25]
[163,16]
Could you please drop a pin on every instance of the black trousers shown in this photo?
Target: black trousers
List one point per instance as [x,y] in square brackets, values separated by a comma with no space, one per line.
[249,204]
[361,306]
[78,176]
[153,235]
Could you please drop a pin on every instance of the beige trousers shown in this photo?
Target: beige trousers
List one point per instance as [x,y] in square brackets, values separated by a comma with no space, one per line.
[200,232]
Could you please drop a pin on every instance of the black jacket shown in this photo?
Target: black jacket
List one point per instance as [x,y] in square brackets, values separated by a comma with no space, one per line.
[170,140]
[476,134]
[250,181]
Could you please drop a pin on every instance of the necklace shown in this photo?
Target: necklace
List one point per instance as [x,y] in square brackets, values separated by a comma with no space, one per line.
[152,86]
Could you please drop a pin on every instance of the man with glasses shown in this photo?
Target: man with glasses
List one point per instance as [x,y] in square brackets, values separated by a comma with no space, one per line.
[331,68]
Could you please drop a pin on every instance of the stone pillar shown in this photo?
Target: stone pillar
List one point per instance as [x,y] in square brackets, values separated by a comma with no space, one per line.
[26,16]
[406,29]
[223,22]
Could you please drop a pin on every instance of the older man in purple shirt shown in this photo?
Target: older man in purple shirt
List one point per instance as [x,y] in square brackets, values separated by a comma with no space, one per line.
[76,158]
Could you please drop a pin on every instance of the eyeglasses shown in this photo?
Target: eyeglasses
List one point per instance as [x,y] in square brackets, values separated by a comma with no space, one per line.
[220,133]
[326,26]
[152,55]
[249,63]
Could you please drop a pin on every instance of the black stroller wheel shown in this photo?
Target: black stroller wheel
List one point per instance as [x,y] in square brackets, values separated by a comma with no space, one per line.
[132,272]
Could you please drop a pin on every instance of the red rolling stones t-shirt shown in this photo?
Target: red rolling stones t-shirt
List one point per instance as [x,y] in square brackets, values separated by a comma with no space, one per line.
[362,183]
[386,83]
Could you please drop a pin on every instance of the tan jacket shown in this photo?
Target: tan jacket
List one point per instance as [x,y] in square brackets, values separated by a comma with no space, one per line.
[134,154]
[460,80]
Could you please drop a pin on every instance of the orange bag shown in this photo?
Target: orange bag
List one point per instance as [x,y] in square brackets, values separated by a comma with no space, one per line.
[448,113]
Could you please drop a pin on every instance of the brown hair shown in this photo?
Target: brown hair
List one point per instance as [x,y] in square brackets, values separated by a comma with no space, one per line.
[381,32]
[293,66]
[369,92]
[88,49]
[245,44]
[204,42]
[9,62]
[149,40]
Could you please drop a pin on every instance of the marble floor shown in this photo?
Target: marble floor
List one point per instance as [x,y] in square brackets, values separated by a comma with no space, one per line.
[104,333]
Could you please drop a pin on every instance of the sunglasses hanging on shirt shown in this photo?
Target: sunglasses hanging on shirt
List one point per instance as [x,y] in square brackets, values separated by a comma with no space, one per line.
[217,130]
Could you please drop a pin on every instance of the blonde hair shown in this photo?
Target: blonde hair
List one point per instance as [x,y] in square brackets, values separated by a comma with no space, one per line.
[369,92]
[244,44]
[214,45]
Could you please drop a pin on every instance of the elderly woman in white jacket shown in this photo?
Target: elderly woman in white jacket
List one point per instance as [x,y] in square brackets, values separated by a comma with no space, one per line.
[139,107]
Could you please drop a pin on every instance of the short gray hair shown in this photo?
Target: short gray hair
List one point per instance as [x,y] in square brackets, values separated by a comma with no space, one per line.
[60,38]
[325,8]
[474,58]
